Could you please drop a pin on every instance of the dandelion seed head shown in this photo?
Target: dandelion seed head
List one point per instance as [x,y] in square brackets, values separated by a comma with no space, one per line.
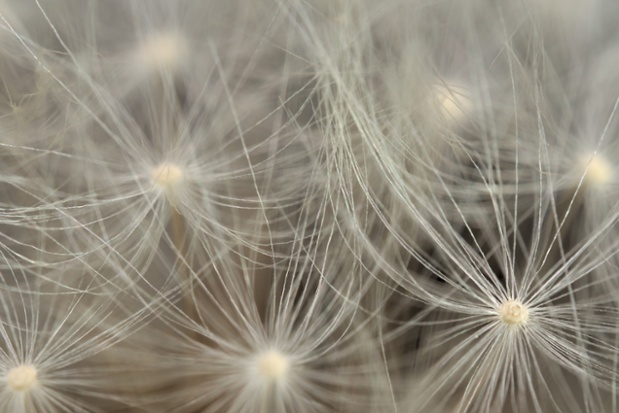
[599,171]
[513,312]
[167,175]
[273,365]
[22,378]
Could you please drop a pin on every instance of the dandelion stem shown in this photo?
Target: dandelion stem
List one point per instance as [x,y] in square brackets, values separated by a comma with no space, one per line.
[179,235]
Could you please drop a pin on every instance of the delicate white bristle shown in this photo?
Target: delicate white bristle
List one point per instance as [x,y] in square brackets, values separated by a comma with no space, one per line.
[22,378]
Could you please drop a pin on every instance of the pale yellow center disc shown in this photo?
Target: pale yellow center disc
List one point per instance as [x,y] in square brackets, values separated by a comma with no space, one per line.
[21,378]
[513,312]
